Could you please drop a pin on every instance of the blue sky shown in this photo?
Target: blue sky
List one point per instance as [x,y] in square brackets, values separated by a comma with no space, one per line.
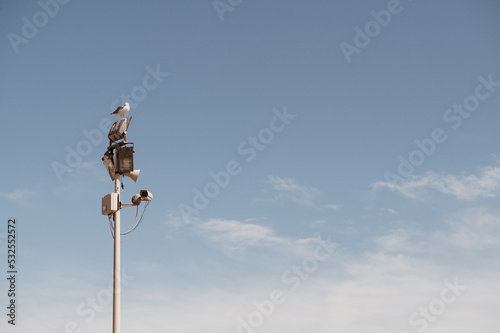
[356,145]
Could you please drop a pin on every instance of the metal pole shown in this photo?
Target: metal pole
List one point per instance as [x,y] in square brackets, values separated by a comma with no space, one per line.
[116,267]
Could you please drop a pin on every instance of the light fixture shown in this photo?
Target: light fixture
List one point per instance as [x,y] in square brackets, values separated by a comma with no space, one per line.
[119,129]
[109,162]
[125,159]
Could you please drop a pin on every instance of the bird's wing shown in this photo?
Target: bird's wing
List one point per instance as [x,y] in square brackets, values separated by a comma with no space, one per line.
[119,108]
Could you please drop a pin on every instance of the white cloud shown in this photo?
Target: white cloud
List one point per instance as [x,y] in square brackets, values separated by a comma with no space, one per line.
[288,189]
[176,221]
[388,212]
[395,240]
[317,223]
[386,289]
[468,230]
[235,236]
[19,196]
[333,206]
[375,293]
[94,170]
[463,187]
[472,229]
[239,235]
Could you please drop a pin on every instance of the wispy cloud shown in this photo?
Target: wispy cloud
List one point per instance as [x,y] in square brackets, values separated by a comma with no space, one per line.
[473,229]
[175,222]
[235,237]
[317,223]
[289,189]
[394,240]
[464,187]
[374,293]
[333,206]
[91,169]
[388,212]
[238,235]
[19,196]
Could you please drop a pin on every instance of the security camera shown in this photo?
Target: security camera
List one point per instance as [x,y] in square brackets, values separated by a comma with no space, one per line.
[136,199]
[146,195]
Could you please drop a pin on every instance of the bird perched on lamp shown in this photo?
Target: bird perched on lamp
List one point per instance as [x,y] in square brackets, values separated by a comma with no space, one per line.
[121,110]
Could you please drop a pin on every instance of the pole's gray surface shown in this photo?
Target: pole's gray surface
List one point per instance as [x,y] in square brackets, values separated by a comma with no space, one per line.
[116,267]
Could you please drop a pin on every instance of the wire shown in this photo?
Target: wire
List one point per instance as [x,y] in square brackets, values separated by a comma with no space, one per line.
[111,226]
[126,238]
[130,232]
[136,222]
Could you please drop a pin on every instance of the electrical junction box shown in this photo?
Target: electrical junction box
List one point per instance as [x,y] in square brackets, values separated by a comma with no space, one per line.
[110,203]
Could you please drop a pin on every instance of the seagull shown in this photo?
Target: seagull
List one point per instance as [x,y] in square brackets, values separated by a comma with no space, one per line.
[121,110]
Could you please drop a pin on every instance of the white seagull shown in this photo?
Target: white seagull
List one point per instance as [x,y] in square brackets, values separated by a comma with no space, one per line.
[121,110]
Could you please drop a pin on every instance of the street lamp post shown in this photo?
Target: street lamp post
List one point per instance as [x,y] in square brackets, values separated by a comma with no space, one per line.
[119,161]
[116,265]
